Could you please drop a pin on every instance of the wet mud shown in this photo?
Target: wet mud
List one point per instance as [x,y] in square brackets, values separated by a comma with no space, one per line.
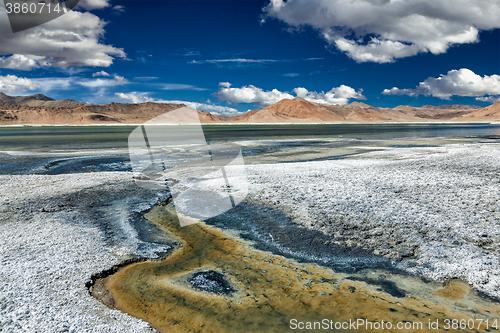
[267,290]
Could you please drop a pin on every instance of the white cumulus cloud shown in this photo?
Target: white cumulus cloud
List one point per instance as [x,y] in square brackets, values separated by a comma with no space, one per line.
[384,30]
[101,73]
[135,97]
[143,97]
[489,99]
[218,109]
[20,61]
[72,40]
[119,8]
[94,4]
[102,83]
[224,84]
[462,82]
[12,84]
[336,96]
[252,94]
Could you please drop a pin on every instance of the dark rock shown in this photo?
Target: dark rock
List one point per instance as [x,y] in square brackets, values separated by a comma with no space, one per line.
[385,285]
[211,281]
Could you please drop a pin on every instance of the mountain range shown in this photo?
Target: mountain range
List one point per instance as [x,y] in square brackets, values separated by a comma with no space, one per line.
[42,110]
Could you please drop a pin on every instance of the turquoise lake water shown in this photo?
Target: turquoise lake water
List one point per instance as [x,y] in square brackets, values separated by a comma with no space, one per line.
[105,137]
[70,149]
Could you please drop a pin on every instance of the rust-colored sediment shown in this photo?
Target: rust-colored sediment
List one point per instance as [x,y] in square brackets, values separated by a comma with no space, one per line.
[454,291]
[102,293]
[272,289]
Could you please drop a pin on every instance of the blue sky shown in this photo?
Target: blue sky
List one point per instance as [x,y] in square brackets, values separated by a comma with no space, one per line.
[234,56]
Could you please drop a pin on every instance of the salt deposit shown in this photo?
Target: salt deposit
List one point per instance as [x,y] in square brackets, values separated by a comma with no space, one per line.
[49,251]
[433,211]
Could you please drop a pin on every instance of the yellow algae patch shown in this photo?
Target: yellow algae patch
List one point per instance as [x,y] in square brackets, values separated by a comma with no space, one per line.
[271,290]
[453,291]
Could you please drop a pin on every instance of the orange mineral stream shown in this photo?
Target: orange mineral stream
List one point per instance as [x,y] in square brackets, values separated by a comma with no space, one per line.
[272,290]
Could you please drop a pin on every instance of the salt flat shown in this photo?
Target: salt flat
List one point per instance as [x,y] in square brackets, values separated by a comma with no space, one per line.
[433,211]
[49,249]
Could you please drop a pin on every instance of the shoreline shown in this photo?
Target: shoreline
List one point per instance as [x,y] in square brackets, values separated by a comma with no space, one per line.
[281,124]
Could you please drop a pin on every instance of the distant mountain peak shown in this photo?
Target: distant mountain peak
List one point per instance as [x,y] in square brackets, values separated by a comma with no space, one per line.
[357,105]
[24,99]
[40,97]
[6,98]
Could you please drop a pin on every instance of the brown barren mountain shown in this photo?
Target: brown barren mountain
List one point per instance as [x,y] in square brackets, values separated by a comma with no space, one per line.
[299,110]
[490,113]
[39,100]
[42,110]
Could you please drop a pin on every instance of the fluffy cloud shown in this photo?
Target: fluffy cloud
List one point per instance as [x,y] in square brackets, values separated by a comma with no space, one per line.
[489,99]
[101,73]
[252,94]
[135,97]
[384,30]
[118,9]
[94,4]
[142,97]
[462,82]
[340,95]
[102,83]
[225,84]
[20,61]
[12,84]
[218,109]
[72,40]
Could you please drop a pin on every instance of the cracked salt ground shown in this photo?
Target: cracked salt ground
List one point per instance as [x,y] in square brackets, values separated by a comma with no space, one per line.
[433,211]
[51,248]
